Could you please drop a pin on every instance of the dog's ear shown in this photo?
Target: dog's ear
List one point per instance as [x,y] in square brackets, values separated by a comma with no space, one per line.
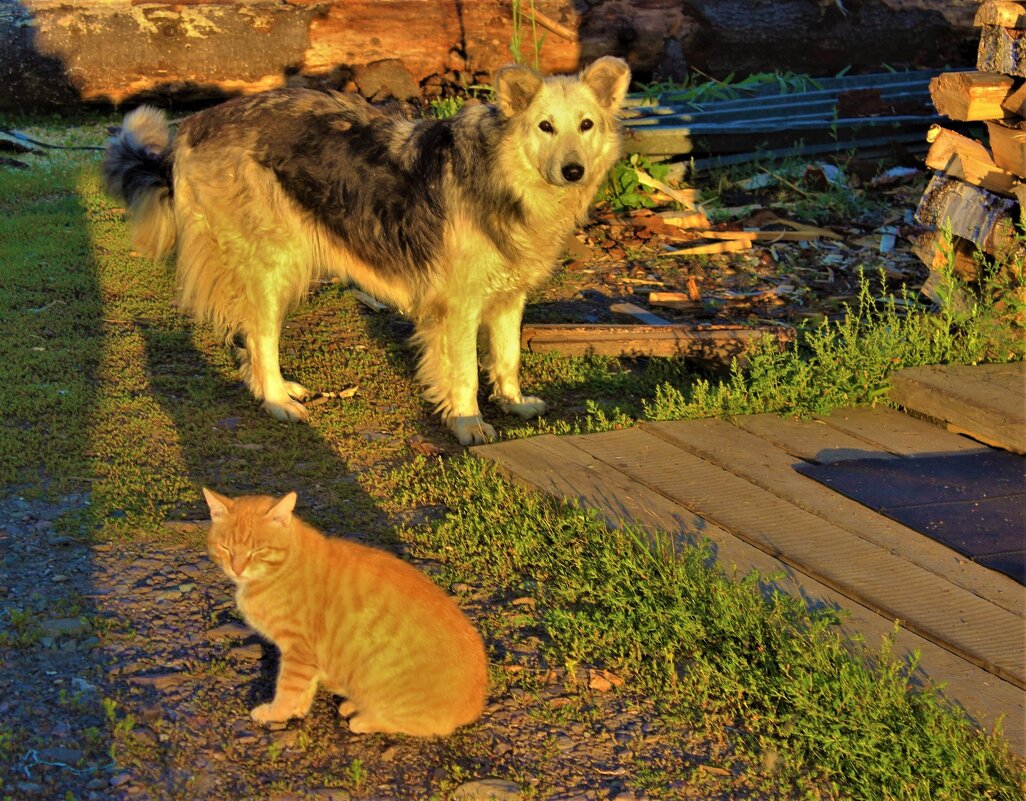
[608,78]
[515,88]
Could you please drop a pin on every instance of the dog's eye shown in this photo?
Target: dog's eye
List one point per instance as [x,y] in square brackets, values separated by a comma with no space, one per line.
[546,126]
[587,125]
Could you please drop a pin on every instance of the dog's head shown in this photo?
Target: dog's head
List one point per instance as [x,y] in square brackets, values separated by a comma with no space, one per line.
[566,126]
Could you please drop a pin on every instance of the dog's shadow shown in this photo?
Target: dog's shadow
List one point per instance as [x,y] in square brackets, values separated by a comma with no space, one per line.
[228,443]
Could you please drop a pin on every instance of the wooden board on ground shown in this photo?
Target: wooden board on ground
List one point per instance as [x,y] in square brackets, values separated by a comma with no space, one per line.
[973,628]
[763,515]
[897,433]
[985,402]
[763,459]
[713,345]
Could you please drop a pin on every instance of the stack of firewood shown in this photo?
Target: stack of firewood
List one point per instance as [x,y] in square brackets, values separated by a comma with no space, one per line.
[980,193]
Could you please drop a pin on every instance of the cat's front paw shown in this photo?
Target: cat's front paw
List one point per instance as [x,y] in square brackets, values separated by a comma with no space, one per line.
[265,713]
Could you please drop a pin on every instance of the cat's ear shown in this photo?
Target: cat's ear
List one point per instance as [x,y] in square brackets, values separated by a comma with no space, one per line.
[281,512]
[219,504]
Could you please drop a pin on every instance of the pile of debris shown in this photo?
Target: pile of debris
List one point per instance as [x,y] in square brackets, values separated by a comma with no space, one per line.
[976,192]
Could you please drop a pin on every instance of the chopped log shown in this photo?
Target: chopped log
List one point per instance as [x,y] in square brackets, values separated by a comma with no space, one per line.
[1015,103]
[966,159]
[999,12]
[1008,145]
[937,254]
[1002,50]
[972,213]
[970,95]
[711,345]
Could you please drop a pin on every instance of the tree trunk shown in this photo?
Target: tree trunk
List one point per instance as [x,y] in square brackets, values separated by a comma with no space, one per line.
[63,52]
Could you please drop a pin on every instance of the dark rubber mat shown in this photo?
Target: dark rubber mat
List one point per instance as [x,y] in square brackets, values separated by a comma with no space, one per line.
[975,503]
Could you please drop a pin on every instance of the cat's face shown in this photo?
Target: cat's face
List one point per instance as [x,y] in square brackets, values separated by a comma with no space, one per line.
[251,536]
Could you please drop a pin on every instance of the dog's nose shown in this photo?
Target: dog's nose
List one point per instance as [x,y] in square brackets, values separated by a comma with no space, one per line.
[573,172]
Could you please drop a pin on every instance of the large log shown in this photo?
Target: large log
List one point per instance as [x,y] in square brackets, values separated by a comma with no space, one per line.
[55,52]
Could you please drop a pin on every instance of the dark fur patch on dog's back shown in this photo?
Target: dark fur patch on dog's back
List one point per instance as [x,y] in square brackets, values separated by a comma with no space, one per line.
[380,192]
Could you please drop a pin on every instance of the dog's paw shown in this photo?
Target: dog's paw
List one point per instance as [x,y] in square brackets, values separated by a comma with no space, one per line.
[527,408]
[297,391]
[289,412]
[472,430]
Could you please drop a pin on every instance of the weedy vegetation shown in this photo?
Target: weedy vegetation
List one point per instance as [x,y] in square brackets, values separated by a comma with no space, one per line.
[108,388]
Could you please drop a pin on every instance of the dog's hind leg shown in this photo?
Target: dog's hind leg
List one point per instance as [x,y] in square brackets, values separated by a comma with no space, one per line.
[501,321]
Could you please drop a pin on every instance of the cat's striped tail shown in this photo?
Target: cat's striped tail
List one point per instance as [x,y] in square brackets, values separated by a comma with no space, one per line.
[137,169]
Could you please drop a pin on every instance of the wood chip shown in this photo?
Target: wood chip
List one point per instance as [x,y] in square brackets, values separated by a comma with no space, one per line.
[729,246]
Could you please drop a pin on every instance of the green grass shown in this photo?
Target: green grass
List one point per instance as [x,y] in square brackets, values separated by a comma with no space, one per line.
[711,650]
[109,389]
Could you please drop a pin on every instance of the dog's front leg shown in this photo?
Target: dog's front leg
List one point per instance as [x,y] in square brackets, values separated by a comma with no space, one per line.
[502,325]
[263,374]
[448,369]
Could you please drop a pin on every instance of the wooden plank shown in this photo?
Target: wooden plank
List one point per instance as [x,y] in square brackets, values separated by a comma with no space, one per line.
[809,440]
[550,464]
[635,312]
[985,697]
[972,213]
[1000,12]
[966,159]
[1001,50]
[714,345]
[969,96]
[897,433]
[760,461]
[950,616]
[966,401]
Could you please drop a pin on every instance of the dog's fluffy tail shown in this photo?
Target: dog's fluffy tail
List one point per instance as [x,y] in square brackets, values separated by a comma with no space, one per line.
[137,170]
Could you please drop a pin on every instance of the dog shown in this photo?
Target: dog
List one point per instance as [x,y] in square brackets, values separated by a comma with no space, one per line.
[450,221]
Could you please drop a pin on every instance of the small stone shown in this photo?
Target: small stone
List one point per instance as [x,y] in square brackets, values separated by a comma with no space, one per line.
[564,743]
[186,588]
[488,790]
[252,652]
[161,681]
[120,779]
[287,738]
[230,630]
[64,756]
[67,626]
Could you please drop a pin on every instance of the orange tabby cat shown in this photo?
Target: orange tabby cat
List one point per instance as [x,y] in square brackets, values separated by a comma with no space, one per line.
[362,622]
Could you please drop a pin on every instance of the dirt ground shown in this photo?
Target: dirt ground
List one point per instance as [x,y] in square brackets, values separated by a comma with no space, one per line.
[137,681]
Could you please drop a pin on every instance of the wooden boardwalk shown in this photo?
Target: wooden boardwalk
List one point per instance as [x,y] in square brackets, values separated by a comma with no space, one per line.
[735,485]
